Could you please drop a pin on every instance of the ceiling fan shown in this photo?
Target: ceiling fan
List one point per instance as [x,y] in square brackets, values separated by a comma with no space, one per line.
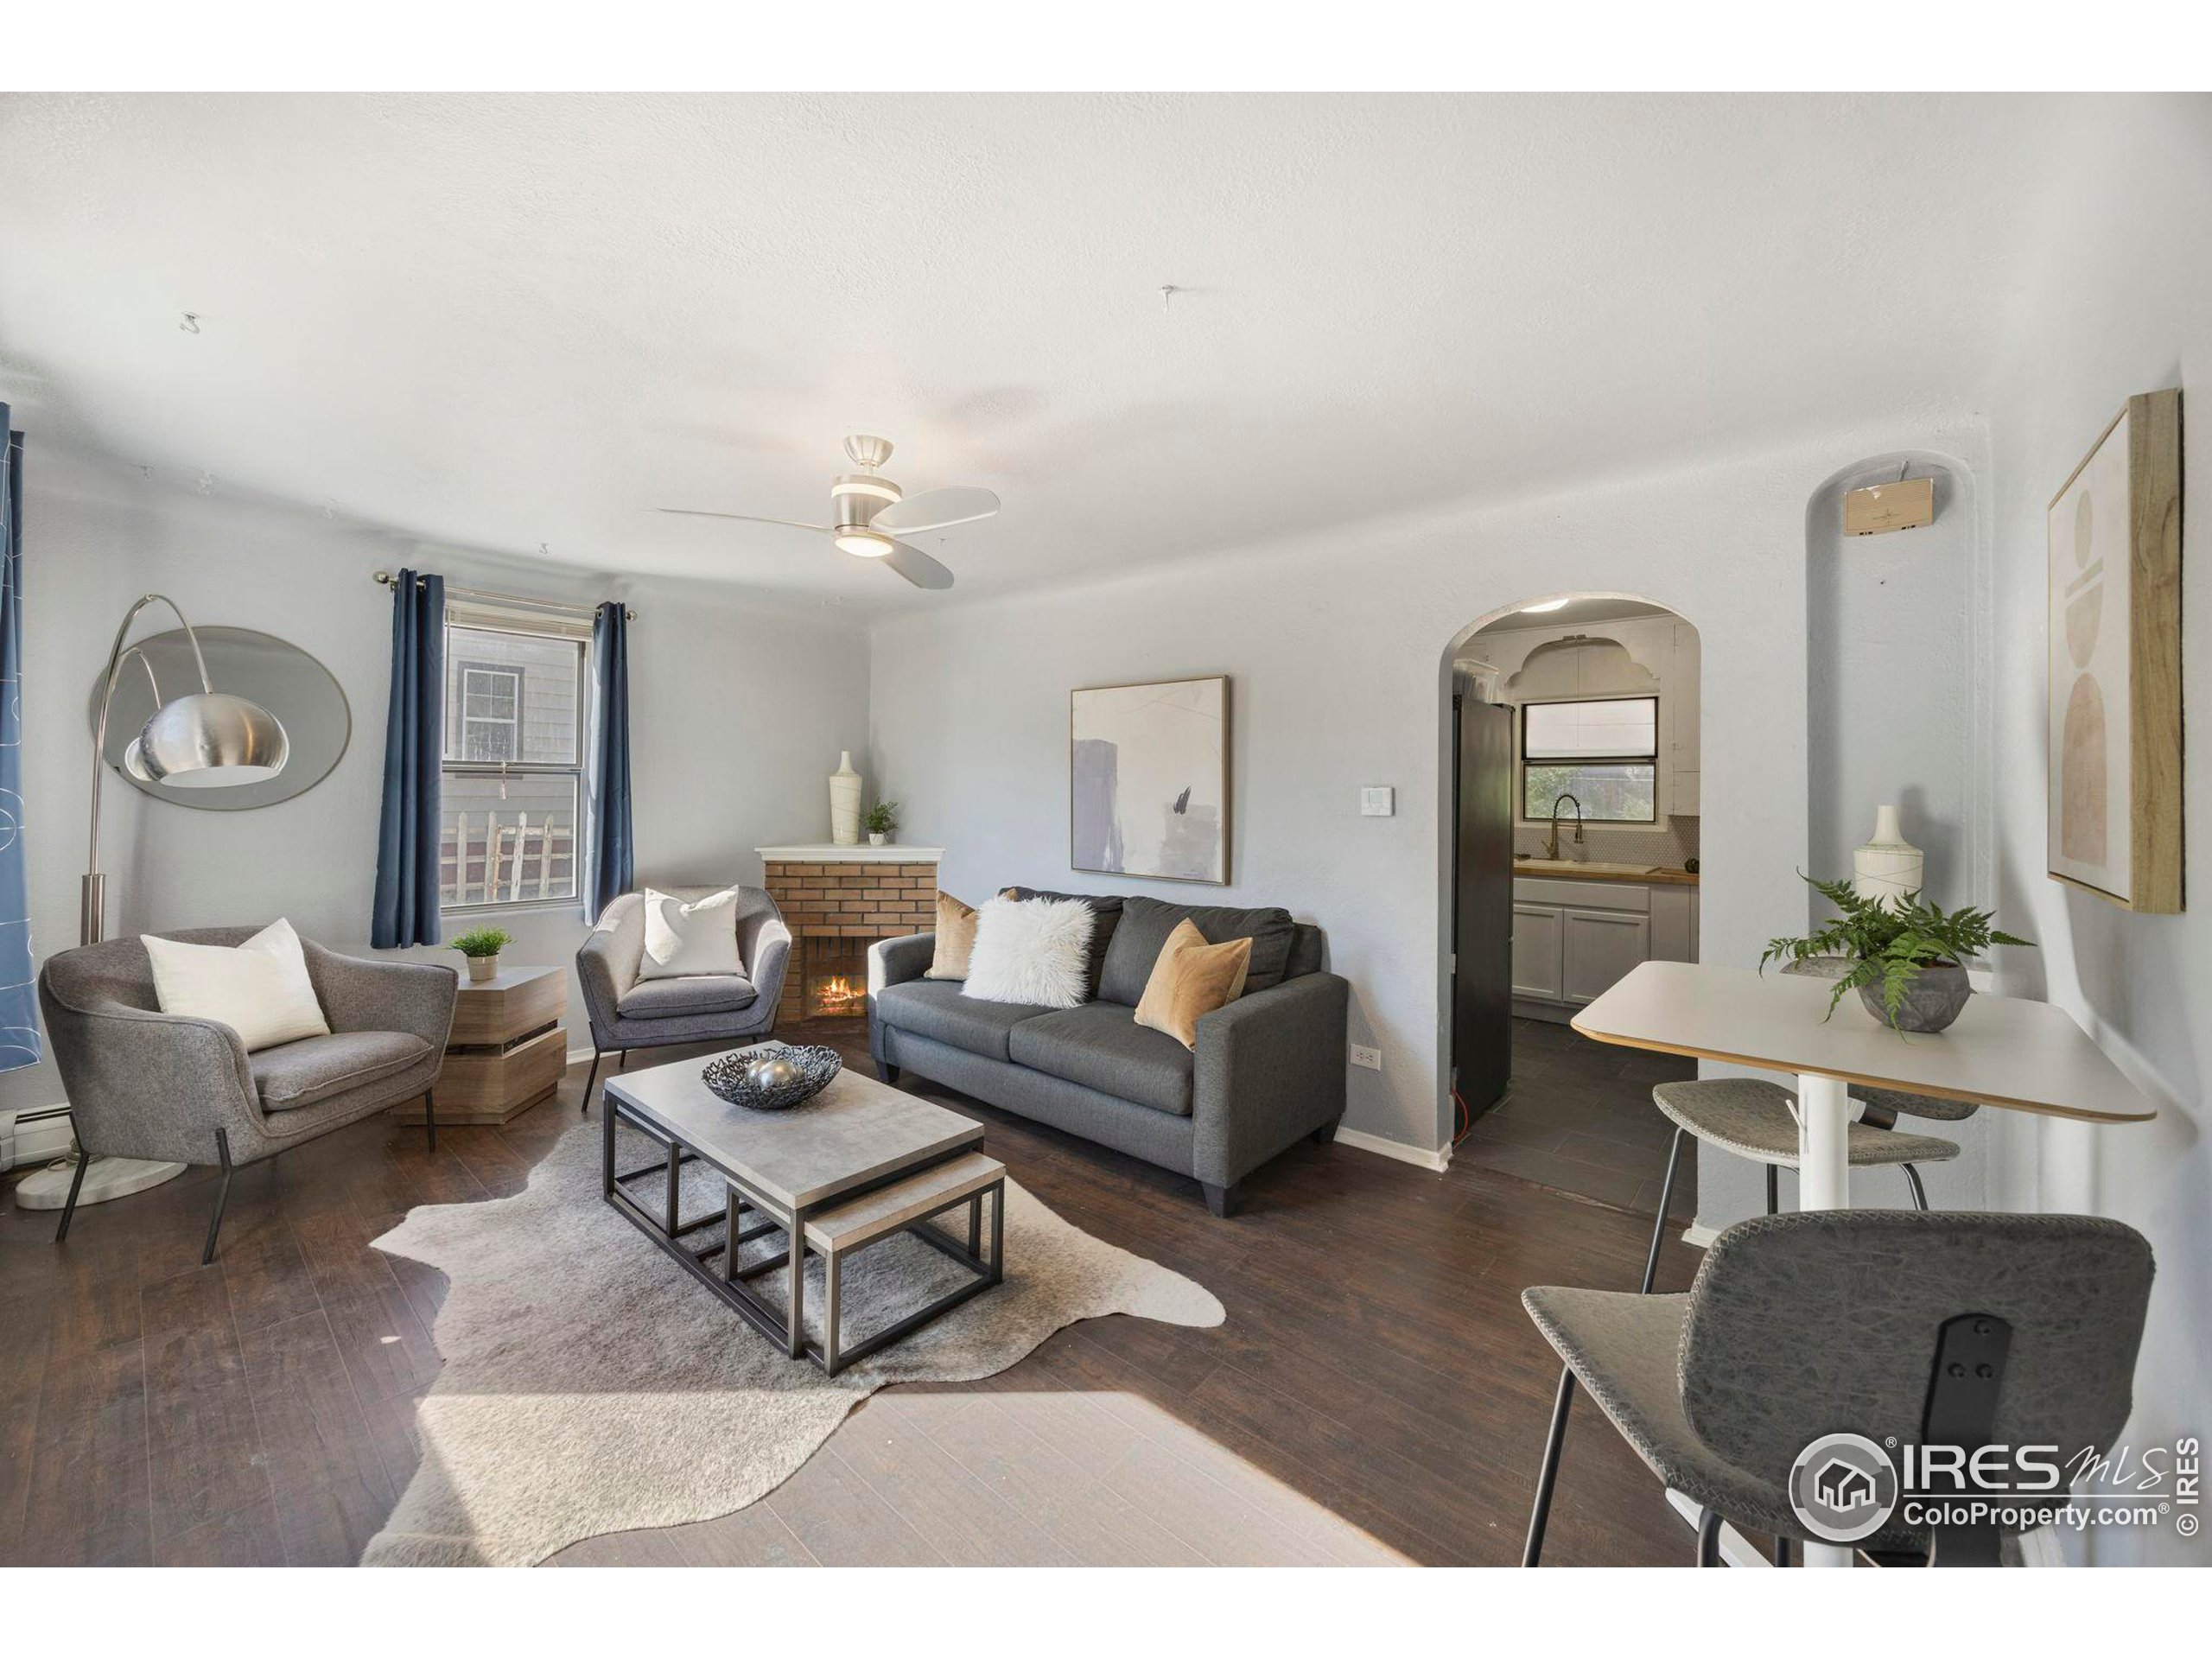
[869,514]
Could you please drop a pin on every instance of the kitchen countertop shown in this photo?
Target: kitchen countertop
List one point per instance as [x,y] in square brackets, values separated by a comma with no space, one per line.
[1560,869]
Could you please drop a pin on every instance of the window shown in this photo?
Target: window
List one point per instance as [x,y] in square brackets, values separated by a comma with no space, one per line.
[516,698]
[1604,752]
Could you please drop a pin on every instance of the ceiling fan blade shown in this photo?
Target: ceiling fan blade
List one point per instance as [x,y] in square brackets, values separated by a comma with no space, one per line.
[935,510]
[917,566]
[743,517]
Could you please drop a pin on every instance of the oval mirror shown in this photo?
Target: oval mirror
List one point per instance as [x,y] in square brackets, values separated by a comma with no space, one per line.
[275,673]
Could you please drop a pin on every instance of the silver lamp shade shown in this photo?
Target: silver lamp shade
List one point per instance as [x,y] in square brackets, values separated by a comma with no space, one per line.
[208,739]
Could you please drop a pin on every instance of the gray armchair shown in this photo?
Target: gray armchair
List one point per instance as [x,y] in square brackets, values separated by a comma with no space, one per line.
[627,1012]
[143,1083]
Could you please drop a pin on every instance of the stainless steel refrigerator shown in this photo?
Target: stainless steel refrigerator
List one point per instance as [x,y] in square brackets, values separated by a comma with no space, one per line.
[1482,899]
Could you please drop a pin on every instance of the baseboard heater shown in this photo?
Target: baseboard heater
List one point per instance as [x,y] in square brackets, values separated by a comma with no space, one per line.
[33,1134]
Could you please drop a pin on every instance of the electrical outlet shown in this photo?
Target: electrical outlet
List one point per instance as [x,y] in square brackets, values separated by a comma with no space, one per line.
[1378,800]
[1369,1058]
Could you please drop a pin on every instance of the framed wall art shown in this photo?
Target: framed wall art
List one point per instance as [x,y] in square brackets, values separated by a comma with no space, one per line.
[1148,779]
[2114,689]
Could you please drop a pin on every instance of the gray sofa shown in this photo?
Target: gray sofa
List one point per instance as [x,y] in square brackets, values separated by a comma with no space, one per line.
[628,1013]
[1268,1070]
[143,1083]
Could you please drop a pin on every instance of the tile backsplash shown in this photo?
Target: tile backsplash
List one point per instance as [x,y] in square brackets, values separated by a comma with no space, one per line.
[1614,844]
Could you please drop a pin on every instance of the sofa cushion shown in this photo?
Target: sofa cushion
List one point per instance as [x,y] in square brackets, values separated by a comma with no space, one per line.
[935,1007]
[1101,1046]
[1106,912]
[687,994]
[315,1068]
[1146,924]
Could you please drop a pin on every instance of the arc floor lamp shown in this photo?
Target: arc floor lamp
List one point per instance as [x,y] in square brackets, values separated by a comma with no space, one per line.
[203,739]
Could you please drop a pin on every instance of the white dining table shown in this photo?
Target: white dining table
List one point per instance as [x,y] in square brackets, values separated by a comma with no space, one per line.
[2003,1051]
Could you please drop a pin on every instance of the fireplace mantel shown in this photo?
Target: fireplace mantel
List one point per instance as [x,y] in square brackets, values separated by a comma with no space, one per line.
[830,852]
[837,901]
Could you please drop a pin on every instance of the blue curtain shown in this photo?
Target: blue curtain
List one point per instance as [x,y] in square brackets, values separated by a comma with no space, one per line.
[614,861]
[19,1040]
[414,746]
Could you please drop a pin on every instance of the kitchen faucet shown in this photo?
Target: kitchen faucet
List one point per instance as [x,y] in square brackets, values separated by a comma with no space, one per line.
[1551,848]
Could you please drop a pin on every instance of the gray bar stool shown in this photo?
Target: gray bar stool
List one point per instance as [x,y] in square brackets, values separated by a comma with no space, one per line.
[1842,1320]
[1757,1120]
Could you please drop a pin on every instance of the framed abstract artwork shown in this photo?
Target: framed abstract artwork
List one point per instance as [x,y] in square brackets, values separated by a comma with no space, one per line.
[2114,689]
[1148,779]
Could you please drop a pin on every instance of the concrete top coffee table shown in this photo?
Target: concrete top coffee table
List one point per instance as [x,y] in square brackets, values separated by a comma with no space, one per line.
[800,1170]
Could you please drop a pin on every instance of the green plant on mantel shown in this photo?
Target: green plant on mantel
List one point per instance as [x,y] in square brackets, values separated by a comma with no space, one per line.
[881,819]
[1889,942]
[481,941]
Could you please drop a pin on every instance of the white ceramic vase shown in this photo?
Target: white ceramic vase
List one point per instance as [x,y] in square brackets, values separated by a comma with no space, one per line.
[845,802]
[1888,867]
[483,967]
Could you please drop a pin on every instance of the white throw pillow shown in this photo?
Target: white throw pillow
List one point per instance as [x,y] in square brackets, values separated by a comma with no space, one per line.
[698,938]
[1035,950]
[260,989]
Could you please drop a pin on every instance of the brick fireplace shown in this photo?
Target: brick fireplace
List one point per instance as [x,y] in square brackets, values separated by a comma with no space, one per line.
[837,901]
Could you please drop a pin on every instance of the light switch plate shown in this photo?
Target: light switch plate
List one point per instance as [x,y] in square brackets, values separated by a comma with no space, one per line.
[1371,1059]
[1377,801]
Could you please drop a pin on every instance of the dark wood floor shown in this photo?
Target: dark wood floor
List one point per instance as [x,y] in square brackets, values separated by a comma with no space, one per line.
[1579,1118]
[1375,1392]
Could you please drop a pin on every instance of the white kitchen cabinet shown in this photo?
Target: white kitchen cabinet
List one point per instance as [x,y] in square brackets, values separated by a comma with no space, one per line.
[1598,947]
[1538,958]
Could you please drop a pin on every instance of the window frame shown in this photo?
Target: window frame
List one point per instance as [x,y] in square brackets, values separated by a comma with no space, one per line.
[578,769]
[1522,761]
[513,675]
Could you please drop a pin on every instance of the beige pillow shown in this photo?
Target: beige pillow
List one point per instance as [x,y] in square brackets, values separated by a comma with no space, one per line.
[260,989]
[1191,978]
[956,939]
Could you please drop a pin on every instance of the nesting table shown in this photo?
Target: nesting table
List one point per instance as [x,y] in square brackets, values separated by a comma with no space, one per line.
[856,1166]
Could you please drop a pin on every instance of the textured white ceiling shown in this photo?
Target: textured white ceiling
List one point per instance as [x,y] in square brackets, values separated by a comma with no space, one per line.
[500,320]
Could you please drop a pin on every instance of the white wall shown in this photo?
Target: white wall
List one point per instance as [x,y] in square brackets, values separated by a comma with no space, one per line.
[1333,644]
[738,710]
[1878,735]
[2116,305]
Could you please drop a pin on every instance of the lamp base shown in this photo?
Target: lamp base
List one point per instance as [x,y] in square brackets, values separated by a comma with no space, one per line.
[107,1178]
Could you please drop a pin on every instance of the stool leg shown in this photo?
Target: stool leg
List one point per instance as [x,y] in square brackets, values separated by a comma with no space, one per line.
[1708,1538]
[1919,1192]
[1659,1227]
[1532,1551]
[1773,1190]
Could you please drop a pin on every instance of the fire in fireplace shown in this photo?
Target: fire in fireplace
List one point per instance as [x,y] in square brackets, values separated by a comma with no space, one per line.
[837,978]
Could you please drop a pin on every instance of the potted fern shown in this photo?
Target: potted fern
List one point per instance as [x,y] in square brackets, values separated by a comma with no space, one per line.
[881,822]
[482,945]
[1906,958]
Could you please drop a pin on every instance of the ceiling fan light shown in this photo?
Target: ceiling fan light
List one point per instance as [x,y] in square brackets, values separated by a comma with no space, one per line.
[865,484]
[865,544]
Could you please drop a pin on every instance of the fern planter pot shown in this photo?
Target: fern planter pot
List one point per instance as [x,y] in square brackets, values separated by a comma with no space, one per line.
[1937,996]
[483,967]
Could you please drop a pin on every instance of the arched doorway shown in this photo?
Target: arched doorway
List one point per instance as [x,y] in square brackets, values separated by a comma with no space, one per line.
[1570,803]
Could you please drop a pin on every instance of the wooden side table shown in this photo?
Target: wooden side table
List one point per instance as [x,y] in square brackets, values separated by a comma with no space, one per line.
[508,1047]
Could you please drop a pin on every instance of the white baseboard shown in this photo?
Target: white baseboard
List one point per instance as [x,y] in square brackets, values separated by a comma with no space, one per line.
[1418,1157]
[26,1145]
[1698,1237]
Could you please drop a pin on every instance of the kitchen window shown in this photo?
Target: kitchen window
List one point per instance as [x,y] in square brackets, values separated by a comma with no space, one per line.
[1605,752]
[517,697]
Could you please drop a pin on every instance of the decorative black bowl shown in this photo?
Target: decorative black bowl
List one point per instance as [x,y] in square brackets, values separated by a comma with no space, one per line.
[771,1079]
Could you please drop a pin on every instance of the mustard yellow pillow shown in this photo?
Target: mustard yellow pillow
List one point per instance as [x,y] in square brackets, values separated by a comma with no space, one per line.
[1191,978]
[956,939]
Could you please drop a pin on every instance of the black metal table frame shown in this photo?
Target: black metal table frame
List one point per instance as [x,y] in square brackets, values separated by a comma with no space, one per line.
[669,1229]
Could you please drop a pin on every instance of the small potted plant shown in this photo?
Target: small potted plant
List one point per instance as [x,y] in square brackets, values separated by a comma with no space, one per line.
[1905,958]
[482,945]
[881,822]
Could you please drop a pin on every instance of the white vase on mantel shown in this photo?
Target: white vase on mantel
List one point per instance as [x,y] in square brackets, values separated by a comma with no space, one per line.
[1889,868]
[845,802]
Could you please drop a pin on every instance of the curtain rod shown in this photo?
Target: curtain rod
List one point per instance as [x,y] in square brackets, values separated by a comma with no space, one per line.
[385,578]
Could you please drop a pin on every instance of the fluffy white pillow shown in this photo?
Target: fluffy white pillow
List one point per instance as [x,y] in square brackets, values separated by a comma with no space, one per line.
[259,989]
[698,938]
[1034,951]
